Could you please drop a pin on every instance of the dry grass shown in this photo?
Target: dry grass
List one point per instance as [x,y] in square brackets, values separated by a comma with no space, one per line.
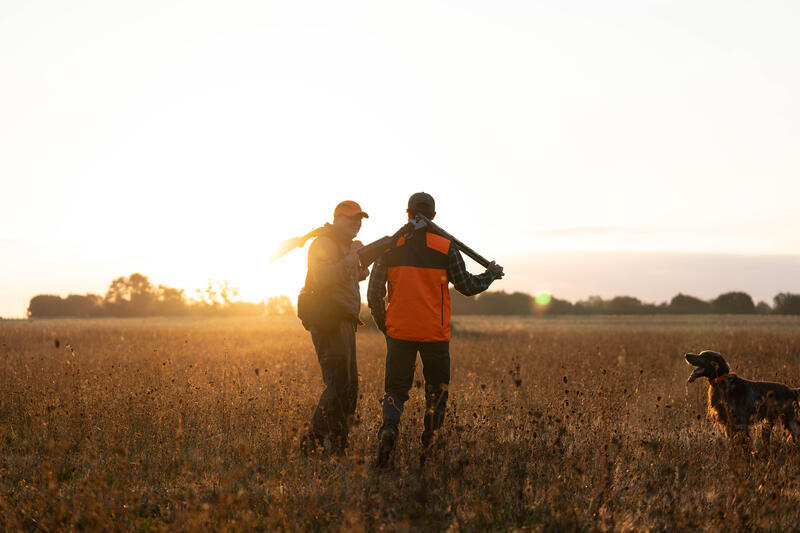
[553,424]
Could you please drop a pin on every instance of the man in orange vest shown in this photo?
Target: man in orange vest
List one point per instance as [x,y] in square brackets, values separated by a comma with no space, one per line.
[334,271]
[417,270]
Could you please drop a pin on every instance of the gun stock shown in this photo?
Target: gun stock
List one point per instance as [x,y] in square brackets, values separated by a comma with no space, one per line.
[371,252]
[288,245]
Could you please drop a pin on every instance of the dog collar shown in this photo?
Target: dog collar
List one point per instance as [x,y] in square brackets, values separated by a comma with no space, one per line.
[720,378]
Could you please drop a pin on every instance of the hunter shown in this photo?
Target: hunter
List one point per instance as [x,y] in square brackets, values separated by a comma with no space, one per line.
[329,305]
[418,269]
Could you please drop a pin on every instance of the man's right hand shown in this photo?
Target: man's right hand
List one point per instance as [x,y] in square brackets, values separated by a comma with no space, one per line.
[495,269]
[352,261]
[380,321]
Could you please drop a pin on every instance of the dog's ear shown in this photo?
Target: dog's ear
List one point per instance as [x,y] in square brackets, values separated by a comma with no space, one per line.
[722,364]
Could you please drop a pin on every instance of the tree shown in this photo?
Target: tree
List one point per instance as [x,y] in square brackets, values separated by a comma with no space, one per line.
[218,294]
[279,305]
[787,304]
[685,304]
[553,307]
[503,303]
[48,305]
[131,296]
[462,305]
[624,305]
[590,306]
[86,305]
[739,303]
[170,301]
[763,308]
[45,305]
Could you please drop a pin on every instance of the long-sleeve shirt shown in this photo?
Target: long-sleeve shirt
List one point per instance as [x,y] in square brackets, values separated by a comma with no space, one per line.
[464,282]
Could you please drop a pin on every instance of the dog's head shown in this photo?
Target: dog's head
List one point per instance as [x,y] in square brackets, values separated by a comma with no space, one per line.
[709,364]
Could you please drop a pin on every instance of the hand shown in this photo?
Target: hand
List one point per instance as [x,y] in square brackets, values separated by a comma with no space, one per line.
[362,275]
[356,246]
[495,269]
[380,322]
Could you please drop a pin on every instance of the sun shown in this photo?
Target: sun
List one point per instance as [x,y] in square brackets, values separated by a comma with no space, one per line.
[258,279]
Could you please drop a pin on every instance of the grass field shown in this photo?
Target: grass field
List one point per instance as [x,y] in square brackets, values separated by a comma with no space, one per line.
[553,424]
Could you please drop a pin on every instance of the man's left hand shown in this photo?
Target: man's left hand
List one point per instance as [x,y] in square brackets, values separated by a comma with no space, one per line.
[495,269]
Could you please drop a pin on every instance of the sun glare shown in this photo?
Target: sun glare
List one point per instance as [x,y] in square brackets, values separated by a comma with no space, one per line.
[258,279]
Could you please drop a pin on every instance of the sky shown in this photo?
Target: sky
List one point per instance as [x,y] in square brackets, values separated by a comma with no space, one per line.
[636,147]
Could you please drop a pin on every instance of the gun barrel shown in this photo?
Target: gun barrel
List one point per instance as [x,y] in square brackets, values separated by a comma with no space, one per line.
[460,245]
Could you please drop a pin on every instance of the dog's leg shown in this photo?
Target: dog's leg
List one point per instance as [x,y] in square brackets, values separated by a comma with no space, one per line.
[766,433]
[791,425]
[729,431]
[738,436]
[734,432]
[747,439]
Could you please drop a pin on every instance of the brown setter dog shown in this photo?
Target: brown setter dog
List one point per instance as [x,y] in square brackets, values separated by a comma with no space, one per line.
[736,403]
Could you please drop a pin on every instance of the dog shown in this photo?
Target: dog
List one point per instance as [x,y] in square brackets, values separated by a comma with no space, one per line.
[736,404]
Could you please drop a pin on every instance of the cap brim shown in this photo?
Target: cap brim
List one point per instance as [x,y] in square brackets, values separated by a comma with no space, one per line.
[352,214]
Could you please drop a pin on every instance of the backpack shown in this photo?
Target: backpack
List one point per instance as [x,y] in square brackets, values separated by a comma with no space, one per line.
[316,308]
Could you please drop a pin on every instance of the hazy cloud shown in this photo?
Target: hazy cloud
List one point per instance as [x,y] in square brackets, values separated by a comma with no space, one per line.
[601,230]
[651,276]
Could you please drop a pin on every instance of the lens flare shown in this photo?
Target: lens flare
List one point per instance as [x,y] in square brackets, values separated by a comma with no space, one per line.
[543,299]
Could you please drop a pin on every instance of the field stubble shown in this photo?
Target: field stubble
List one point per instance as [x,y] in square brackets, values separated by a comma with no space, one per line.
[552,424]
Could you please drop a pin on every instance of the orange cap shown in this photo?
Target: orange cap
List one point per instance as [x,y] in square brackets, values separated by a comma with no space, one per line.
[349,208]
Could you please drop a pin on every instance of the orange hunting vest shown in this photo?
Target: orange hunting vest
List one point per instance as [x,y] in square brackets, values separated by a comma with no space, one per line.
[419,301]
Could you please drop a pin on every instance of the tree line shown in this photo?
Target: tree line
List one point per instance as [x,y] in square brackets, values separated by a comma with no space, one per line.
[520,303]
[136,296]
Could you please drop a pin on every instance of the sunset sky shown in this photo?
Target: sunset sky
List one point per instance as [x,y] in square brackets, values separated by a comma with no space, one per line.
[636,147]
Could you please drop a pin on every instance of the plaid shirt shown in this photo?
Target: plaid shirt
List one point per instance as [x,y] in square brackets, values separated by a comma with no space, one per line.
[464,282]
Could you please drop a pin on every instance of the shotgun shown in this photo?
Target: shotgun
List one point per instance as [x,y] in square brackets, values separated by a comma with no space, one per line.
[371,252]
[366,254]
[458,244]
[296,242]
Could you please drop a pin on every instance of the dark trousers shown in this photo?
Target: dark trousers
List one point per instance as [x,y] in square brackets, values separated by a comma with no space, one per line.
[336,352]
[401,358]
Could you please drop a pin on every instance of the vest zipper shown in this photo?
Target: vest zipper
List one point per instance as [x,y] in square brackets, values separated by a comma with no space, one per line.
[442,287]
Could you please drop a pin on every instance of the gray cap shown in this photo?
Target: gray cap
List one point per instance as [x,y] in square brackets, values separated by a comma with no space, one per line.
[423,202]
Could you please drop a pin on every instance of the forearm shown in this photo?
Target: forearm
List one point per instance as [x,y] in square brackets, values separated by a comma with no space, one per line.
[464,282]
[470,285]
[376,291]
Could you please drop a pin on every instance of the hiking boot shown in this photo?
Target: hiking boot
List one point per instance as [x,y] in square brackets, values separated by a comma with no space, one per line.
[431,444]
[339,445]
[387,438]
[310,443]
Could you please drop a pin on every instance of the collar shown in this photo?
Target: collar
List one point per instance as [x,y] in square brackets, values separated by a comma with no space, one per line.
[719,379]
[334,233]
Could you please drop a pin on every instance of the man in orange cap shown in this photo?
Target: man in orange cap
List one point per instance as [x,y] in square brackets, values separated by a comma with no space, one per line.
[333,274]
